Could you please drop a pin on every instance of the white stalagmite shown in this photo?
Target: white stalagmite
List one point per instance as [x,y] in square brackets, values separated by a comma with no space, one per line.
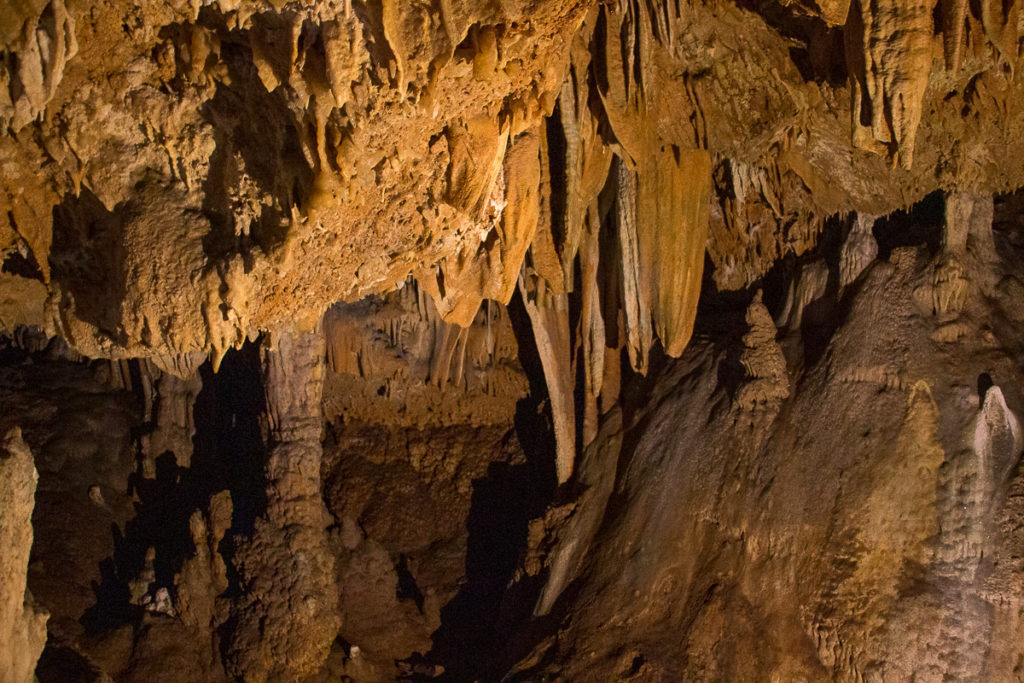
[997,438]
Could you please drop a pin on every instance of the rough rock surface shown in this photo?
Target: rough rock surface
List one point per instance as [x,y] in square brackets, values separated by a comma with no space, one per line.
[23,630]
[852,528]
[368,339]
[288,618]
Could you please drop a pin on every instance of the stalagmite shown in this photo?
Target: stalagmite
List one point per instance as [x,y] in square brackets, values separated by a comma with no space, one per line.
[22,624]
[997,439]
[767,376]
[203,577]
[287,616]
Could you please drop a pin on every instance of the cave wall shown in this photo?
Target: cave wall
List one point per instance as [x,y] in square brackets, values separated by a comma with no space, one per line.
[643,339]
[777,511]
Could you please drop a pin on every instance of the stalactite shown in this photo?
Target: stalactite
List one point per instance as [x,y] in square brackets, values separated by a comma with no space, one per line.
[45,50]
[572,215]
[1001,21]
[171,417]
[544,256]
[888,51]
[591,324]
[519,220]
[673,200]
[635,288]
[954,15]
[549,318]
[391,14]
[858,250]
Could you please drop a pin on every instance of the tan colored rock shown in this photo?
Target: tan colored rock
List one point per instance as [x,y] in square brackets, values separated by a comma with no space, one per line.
[889,50]
[954,17]
[287,616]
[549,319]
[673,195]
[395,360]
[858,250]
[767,375]
[46,44]
[22,624]
[636,285]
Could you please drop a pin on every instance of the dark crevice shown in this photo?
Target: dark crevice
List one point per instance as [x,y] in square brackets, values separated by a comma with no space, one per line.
[919,225]
[407,588]
[22,265]
[228,454]
[477,624]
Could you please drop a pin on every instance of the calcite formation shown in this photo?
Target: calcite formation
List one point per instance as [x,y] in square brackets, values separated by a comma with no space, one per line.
[288,617]
[907,539]
[511,340]
[23,633]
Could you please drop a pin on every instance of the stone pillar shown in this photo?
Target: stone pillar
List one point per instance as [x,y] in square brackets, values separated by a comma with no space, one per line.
[22,624]
[287,616]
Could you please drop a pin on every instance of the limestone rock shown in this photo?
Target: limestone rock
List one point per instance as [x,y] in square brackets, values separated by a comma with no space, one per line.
[767,378]
[23,629]
[287,616]
[858,251]
[889,51]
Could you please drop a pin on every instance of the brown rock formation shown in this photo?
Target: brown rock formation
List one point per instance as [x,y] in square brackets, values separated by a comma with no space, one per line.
[288,618]
[23,630]
[624,339]
[851,531]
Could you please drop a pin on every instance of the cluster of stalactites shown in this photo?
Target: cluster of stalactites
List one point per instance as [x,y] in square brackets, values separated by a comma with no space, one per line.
[889,57]
[402,337]
[616,218]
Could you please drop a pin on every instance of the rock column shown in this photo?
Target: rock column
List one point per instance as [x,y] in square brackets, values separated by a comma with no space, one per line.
[288,617]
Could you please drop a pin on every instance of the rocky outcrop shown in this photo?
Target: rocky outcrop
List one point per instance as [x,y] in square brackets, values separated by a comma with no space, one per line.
[22,623]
